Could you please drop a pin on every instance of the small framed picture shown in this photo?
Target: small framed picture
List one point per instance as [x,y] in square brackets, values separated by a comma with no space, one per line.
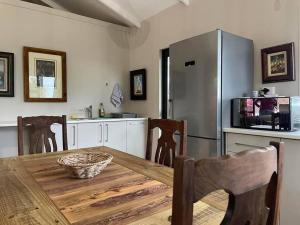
[138,85]
[278,63]
[45,75]
[6,74]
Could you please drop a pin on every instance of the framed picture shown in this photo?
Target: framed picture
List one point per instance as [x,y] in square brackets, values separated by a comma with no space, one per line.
[278,63]
[138,85]
[6,74]
[45,75]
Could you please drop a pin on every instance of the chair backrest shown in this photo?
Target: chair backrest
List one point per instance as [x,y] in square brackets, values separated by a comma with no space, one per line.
[40,134]
[251,178]
[166,146]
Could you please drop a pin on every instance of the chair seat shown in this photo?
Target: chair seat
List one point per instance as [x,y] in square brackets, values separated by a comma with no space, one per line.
[209,211]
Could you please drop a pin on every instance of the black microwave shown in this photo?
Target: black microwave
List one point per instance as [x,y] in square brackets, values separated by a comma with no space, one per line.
[266,113]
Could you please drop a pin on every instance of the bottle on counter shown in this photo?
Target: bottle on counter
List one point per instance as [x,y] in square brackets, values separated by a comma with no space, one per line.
[101,110]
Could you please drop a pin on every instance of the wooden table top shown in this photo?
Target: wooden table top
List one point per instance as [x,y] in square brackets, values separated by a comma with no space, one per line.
[35,190]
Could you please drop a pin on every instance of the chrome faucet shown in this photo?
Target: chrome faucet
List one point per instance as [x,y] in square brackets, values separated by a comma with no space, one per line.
[89,111]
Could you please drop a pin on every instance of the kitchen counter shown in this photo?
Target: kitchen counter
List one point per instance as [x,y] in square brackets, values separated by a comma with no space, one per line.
[282,134]
[76,121]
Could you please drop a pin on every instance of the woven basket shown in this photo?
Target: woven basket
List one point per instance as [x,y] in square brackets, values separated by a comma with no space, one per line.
[85,165]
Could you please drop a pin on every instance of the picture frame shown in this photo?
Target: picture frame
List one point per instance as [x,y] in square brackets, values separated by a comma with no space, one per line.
[138,85]
[278,63]
[7,74]
[45,75]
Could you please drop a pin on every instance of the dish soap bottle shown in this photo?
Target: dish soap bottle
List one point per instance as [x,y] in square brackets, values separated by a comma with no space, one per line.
[101,110]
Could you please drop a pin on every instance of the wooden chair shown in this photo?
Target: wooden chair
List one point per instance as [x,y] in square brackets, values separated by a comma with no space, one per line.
[166,147]
[40,133]
[251,178]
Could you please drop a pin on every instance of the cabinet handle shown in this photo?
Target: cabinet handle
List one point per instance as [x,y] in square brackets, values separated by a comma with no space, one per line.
[100,133]
[253,146]
[106,132]
[74,135]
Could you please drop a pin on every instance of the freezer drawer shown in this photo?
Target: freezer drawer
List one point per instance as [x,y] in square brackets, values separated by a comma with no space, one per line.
[241,142]
[199,148]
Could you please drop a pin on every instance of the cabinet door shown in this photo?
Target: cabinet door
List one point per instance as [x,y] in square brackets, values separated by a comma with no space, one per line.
[72,136]
[290,195]
[88,135]
[242,142]
[9,142]
[57,129]
[115,135]
[136,138]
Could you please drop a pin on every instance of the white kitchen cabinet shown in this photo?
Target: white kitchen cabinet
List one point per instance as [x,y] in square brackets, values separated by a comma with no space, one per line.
[114,135]
[110,134]
[71,135]
[9,142]
[290,197]
[88,135]
[242,142]
[136,138]
[83,134]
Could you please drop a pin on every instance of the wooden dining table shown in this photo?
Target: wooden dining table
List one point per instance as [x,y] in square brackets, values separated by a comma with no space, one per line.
[34,190]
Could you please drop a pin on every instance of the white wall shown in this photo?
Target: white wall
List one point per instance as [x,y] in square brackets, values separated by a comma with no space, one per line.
[93,57]
[259,20]
[98,51]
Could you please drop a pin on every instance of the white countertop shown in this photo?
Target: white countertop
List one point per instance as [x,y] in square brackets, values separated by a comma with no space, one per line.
[14,123]
[266,133]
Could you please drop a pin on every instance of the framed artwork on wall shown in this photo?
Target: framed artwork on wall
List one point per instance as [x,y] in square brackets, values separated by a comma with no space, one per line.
[6,74]
[278,63]
[45,75]
[138,86]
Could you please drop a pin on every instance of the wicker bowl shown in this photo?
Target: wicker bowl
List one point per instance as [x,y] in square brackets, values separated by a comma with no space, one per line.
[85,165]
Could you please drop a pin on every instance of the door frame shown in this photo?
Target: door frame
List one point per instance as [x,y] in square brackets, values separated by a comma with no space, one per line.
[165,53]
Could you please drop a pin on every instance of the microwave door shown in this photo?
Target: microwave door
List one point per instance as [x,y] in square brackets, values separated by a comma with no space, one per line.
[261,113]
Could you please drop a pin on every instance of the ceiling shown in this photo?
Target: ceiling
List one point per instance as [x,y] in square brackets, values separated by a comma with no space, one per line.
[121,12]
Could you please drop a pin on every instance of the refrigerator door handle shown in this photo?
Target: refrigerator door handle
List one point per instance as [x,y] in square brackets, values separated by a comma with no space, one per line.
[171,111]
[190,63]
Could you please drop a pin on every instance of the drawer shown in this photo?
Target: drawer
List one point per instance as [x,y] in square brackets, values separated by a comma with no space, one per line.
[242,142]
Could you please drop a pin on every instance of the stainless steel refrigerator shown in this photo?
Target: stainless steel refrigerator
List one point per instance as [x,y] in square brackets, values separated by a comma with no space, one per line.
[206,72]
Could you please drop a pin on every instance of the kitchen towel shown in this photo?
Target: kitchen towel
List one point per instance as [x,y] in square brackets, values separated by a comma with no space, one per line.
[117,96]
